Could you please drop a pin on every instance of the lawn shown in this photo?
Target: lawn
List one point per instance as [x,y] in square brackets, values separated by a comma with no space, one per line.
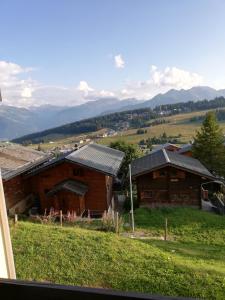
[191,263]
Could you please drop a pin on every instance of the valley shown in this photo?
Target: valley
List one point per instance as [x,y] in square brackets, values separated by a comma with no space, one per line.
[181,125]
[18,121]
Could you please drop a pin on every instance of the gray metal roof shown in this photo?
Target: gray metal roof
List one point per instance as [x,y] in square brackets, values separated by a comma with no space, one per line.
[9,174]
[16,159]
[98,157]
[163,158]
[74,186]
[48,164]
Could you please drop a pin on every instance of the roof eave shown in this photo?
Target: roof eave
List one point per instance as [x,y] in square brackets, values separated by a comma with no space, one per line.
[91,168]
[172,165]
[23,169]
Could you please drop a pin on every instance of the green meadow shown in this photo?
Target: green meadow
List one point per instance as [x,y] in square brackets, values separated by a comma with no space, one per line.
[191,263]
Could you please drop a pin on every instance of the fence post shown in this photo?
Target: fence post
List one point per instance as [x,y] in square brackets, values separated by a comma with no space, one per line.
[61,217]
[117,222]
[166,230]
[15,218]
[89,216]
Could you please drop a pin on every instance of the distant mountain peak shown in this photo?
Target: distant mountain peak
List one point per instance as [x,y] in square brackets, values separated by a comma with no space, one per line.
[172,96]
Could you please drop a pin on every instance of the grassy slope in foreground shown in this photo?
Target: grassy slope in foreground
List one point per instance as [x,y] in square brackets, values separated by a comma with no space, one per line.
[191,264]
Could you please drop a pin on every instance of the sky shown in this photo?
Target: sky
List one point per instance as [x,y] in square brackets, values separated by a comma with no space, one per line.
[67,52]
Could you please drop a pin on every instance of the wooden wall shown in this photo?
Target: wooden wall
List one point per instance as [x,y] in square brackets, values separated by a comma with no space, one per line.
[169,187]
[18,194]
[66,201]
[95,198]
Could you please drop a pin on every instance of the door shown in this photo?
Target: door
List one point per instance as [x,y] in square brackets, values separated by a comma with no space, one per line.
[68,202]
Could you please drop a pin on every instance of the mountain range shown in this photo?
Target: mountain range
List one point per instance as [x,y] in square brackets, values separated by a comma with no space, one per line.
[17,121]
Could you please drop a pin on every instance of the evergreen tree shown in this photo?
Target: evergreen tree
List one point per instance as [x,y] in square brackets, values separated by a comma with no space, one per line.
[208,145]
[131,152]
[149,144]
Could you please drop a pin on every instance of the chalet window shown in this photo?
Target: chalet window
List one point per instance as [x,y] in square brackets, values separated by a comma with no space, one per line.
[159,174]
[177,174]
[162,173]
[78,172]
[147,194]
[173,173]
[181,197]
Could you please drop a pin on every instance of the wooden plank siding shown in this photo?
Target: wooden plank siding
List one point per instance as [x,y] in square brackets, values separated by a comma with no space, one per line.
[18,194]
[96,198]
[169,186]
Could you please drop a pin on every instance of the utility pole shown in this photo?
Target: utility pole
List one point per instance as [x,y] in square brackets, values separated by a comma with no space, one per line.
[131,200]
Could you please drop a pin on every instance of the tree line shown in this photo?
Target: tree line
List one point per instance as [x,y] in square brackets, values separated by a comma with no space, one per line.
[138,118]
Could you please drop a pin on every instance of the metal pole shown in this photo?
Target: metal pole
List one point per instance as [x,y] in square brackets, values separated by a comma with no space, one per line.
[131,200]
[166,230]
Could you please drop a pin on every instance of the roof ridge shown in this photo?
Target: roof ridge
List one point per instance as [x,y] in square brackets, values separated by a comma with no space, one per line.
[106,147]
[78,150]
[94,144]
[190,158]
[166,155]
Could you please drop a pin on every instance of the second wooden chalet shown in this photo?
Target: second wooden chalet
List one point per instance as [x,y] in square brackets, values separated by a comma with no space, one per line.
[166,178]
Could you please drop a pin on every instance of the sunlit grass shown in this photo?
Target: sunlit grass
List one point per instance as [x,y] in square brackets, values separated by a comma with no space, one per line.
[191,263]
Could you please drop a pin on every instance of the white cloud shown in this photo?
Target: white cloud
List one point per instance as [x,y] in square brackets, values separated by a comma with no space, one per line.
[119,62]
[160,81]
[104,93]
[174,77]
[19,89]
[9,70]
[153,68]
[26,92]
[15,88]
[84,87]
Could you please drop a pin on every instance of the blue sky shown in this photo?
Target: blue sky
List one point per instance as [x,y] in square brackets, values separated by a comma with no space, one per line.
[58,44]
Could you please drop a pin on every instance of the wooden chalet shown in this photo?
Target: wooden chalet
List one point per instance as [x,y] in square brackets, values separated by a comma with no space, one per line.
[15,161]
[166,178]
[77,182]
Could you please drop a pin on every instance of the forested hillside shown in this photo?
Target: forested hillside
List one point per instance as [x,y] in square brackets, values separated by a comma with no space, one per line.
[124,120]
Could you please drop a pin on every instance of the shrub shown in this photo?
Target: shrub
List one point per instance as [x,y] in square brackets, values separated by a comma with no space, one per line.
[127,204]
[107,222]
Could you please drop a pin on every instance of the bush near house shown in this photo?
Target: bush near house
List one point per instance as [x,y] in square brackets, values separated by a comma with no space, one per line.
[190,264]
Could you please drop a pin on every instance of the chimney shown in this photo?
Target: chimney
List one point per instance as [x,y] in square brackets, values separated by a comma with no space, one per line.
[0,96]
